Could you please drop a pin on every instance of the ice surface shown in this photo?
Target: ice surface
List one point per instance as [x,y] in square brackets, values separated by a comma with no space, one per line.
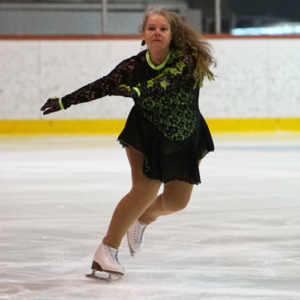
[239,238]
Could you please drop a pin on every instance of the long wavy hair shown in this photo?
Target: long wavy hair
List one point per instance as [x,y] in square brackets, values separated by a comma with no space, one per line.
[184,37]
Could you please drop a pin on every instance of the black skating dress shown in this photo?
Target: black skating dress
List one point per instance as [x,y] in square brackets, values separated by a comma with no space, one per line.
[165,124]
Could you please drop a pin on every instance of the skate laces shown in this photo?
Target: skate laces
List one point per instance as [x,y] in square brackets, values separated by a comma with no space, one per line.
[139,232]
[113,253]
[116,257]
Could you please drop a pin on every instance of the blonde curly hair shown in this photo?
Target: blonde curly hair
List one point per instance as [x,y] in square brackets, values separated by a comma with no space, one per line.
[184,37]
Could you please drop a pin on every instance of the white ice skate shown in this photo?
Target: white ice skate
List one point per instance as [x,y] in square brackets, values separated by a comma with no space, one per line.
[106,261]
[135,237]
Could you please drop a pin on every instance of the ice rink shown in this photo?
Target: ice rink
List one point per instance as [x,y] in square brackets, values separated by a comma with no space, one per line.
[239,238]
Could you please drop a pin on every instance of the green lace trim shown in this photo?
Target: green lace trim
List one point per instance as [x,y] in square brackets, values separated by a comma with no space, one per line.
[138,91]
[60,104]
[125,86]
[129,89]
[175,53]
[174,71]
[161,65]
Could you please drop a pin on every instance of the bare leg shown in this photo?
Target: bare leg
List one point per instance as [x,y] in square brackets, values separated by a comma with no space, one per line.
[175,197]
[143,193]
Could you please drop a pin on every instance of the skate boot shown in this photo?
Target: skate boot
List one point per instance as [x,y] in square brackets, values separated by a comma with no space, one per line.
[106,261]
[135,237]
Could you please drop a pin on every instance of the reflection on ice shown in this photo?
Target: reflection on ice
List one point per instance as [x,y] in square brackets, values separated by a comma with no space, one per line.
[237,239]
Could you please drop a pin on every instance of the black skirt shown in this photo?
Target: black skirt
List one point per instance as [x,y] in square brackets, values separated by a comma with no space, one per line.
[167,160]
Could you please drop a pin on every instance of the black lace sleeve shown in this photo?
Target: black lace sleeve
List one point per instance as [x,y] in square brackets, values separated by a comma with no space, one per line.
[178,73]
[105,86]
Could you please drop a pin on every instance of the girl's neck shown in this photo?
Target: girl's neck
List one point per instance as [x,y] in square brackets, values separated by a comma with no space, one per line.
[158,56]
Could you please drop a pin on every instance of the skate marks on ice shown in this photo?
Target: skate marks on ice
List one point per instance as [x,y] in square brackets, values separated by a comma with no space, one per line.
[238,239]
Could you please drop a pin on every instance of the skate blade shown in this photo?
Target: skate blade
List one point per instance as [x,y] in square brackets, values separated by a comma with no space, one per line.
[132,253]
[104,276]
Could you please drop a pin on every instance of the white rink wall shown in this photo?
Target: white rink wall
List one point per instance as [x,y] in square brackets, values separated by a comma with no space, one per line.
[256,77]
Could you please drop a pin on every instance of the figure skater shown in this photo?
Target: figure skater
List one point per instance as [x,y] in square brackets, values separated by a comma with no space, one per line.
[165,135]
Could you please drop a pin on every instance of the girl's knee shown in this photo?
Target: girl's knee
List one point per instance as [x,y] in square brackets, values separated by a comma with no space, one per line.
[176,196]
[175,204]
[144,192]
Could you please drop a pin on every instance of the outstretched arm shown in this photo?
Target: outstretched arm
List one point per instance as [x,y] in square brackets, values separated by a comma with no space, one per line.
[107,85]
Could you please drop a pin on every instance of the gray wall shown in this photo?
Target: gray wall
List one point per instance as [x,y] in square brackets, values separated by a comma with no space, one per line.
[67,22]
[82,19]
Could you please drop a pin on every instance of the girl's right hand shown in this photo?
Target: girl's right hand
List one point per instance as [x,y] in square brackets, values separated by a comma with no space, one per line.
[52,105]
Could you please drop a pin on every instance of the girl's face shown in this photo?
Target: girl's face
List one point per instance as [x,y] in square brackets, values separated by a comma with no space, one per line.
[157,32]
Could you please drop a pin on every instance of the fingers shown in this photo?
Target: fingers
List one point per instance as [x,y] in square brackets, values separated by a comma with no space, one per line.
[49,111]
[48,104]
[44,107]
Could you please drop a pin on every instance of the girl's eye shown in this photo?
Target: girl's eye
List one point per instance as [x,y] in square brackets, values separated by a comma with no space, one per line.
[164,29]
[151,28]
